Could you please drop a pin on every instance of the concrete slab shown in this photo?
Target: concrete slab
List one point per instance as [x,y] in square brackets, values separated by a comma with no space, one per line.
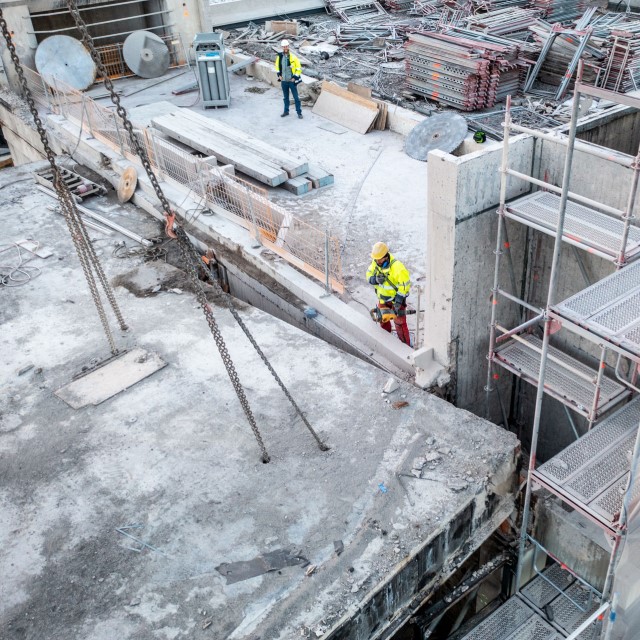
[116,376]
[174,454]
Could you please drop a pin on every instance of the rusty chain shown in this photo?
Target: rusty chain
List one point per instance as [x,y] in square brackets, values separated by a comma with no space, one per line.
[186,247]
[77,229]
[228,300]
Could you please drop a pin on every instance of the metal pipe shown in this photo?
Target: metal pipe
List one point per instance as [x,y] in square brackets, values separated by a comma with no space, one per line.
[525,325]
[592,618]
[417,341]
[583,269]
[574,196]
[66,11]
[612,616]
[517,300]
[97,24]
[620,377]
[628,215]
[596,396]
[553,280]
[571,422]
[327,284]
[498,253]
[600,152]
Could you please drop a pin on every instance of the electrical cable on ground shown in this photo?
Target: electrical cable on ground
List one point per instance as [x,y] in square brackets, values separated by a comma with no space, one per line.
[86,253]
[25,272]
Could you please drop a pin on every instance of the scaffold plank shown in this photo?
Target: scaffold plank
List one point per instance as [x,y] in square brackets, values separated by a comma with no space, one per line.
[503,622]
[584,227]
[592,473]
[540,593]
[560,382]
[609,308]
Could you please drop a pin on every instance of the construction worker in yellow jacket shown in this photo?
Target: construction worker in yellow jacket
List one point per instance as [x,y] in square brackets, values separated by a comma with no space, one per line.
[289,71]
[392,284]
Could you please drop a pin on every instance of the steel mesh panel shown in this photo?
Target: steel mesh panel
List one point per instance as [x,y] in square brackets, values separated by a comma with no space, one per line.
[535,628]
[597,296]
[621,314]
[566,614]
[558,381]
[609,504]
[503,622]
[597,477]
[540,592]
[632,338]
[587,449]
[582,224]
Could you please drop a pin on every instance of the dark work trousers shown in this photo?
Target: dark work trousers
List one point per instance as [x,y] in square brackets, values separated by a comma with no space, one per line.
[402,330]
[286,86]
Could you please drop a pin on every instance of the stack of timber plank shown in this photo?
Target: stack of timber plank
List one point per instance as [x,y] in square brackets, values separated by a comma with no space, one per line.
[247,154]
[353,108]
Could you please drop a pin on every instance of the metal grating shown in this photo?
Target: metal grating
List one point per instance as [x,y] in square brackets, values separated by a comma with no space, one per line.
[610,308]
[540,593]
[566,614]
[583,226]
[592,469]
[609,504]
[560,382]
[503,623]
[535,628]
[585,450]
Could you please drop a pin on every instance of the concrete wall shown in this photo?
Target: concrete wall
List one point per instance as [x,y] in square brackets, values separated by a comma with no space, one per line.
[618,128]
[463,198]
[218,13]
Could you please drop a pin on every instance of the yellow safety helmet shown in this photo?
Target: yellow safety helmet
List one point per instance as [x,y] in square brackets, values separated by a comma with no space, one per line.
[379,250]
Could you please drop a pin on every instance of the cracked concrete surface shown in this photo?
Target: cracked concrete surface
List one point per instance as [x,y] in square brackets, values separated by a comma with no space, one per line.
[175,455]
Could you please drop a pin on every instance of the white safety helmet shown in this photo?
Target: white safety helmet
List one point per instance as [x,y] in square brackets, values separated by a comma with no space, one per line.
[284,43]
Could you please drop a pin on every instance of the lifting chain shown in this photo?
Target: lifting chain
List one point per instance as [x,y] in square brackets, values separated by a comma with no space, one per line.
[85,250]
[228,299]
[186,248]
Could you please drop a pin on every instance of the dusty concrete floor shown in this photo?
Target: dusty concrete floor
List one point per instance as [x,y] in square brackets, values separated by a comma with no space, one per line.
[380,193]
[175,455]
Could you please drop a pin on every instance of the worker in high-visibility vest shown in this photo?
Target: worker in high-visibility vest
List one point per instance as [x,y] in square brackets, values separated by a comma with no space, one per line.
[392,285]
[289,71]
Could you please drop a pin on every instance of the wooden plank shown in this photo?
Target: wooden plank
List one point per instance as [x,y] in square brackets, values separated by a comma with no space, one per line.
[209,143]
[359,90]
[345,108]
[292,165]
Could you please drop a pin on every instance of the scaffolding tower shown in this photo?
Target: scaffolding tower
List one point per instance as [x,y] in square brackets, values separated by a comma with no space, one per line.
[595,475]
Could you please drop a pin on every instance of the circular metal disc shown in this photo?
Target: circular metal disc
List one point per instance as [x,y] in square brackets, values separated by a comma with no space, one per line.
[146,54]
[127,184]
[65,59]
[443,131]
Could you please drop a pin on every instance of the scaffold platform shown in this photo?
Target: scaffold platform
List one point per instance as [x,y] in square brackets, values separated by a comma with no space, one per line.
[522,357]
[610,309]
[592,473]
[522,617]
[584,227]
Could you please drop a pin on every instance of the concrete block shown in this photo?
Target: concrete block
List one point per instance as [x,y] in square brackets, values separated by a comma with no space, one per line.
[299,185]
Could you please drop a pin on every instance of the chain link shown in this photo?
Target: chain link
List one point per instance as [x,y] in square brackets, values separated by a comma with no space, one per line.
[228,300]
[77,229]
[186,247]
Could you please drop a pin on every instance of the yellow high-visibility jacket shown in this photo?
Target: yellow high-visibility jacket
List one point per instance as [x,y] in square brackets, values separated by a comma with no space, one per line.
[294,63]
[398,280]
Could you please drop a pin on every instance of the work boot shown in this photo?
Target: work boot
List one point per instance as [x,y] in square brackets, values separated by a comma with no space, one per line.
[283,115]
[300,116]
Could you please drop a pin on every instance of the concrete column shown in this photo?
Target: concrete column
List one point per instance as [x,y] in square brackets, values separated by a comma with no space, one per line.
[19,22]
[187,16]
[441,229]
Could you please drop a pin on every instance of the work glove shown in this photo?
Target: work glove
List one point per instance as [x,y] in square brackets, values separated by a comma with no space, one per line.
[398,301]
[279,77]
[296,80]
[380,278]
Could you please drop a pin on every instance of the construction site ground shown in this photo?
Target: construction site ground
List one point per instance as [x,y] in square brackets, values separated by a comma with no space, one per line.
[173,457]
[380,193]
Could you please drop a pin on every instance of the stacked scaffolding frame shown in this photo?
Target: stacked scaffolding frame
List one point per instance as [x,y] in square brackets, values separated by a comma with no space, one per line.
[597,474]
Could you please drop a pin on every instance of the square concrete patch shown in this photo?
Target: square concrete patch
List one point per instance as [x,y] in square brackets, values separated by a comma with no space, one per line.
[107,381]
